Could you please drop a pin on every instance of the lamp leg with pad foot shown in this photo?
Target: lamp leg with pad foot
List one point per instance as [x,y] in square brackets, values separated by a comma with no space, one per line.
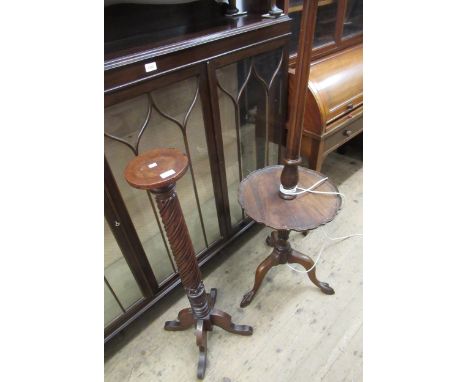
[282,254]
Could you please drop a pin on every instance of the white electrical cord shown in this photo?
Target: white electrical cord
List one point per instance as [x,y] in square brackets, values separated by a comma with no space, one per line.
[313,266]
[322,248]
[312,190]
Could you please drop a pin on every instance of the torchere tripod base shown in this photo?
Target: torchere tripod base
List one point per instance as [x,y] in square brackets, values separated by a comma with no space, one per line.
[216,317]
[283,253]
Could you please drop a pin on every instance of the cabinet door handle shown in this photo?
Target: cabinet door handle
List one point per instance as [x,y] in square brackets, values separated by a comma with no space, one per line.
[347,132]
[349,106]
[117,223]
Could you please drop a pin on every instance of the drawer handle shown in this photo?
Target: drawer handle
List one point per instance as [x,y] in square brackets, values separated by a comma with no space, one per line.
[349,106]
[347,132]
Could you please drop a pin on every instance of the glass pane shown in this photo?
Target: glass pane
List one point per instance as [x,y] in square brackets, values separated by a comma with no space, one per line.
[202,173]
[229,78]
[111,308]
[295,28]
[139,206]
[248,91]
[353,18]
[293,4]
[174,118]
[195,191]
[325,23]
[118,273]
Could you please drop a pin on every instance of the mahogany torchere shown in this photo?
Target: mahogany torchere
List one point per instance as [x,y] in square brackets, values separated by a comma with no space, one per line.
[268,195]
[157,171]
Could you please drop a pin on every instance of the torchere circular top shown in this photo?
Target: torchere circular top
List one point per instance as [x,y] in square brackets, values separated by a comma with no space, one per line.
[157,168]
[260,199]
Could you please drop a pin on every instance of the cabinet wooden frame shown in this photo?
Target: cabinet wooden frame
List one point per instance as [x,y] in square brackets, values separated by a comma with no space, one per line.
[332,117]
[339,42]
[127,80]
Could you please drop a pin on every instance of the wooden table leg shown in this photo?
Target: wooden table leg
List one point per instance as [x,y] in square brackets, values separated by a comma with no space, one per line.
[260,273]
[282,254]
[307,263]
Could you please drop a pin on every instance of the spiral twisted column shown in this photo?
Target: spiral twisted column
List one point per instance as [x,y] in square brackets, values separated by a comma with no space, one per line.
[182,248]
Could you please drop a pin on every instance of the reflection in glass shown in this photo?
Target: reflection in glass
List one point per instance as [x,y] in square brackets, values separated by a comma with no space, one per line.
[119,277]
[112,310]
[228,79]
[140,208]
[167,117]
[353,18]
[295,29]
[249,95]
[325,23]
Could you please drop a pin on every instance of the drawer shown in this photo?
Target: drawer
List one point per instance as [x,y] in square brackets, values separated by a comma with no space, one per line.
[342,134]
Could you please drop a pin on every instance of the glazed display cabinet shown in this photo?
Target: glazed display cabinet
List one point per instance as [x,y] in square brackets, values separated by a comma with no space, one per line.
[217,91]
[338,25]
[334,97]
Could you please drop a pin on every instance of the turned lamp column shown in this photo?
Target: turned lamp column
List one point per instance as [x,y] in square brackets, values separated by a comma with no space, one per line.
[157,171]
[268,195]
[290,175]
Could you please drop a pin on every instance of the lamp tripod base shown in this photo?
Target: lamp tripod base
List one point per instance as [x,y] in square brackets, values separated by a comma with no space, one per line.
[282,254]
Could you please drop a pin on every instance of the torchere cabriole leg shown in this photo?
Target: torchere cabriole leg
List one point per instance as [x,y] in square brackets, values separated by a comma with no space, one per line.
[307,263]
[260,273]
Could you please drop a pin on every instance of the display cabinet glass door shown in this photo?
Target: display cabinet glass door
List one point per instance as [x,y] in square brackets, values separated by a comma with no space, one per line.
[325,23]
[336,23]
[228,116]
[250,94]
[121,290]
[353,18]
[170,116]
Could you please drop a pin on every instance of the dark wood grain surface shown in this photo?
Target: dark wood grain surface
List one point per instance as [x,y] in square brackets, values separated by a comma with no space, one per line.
[148,171]
[259,196]
[334,104]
